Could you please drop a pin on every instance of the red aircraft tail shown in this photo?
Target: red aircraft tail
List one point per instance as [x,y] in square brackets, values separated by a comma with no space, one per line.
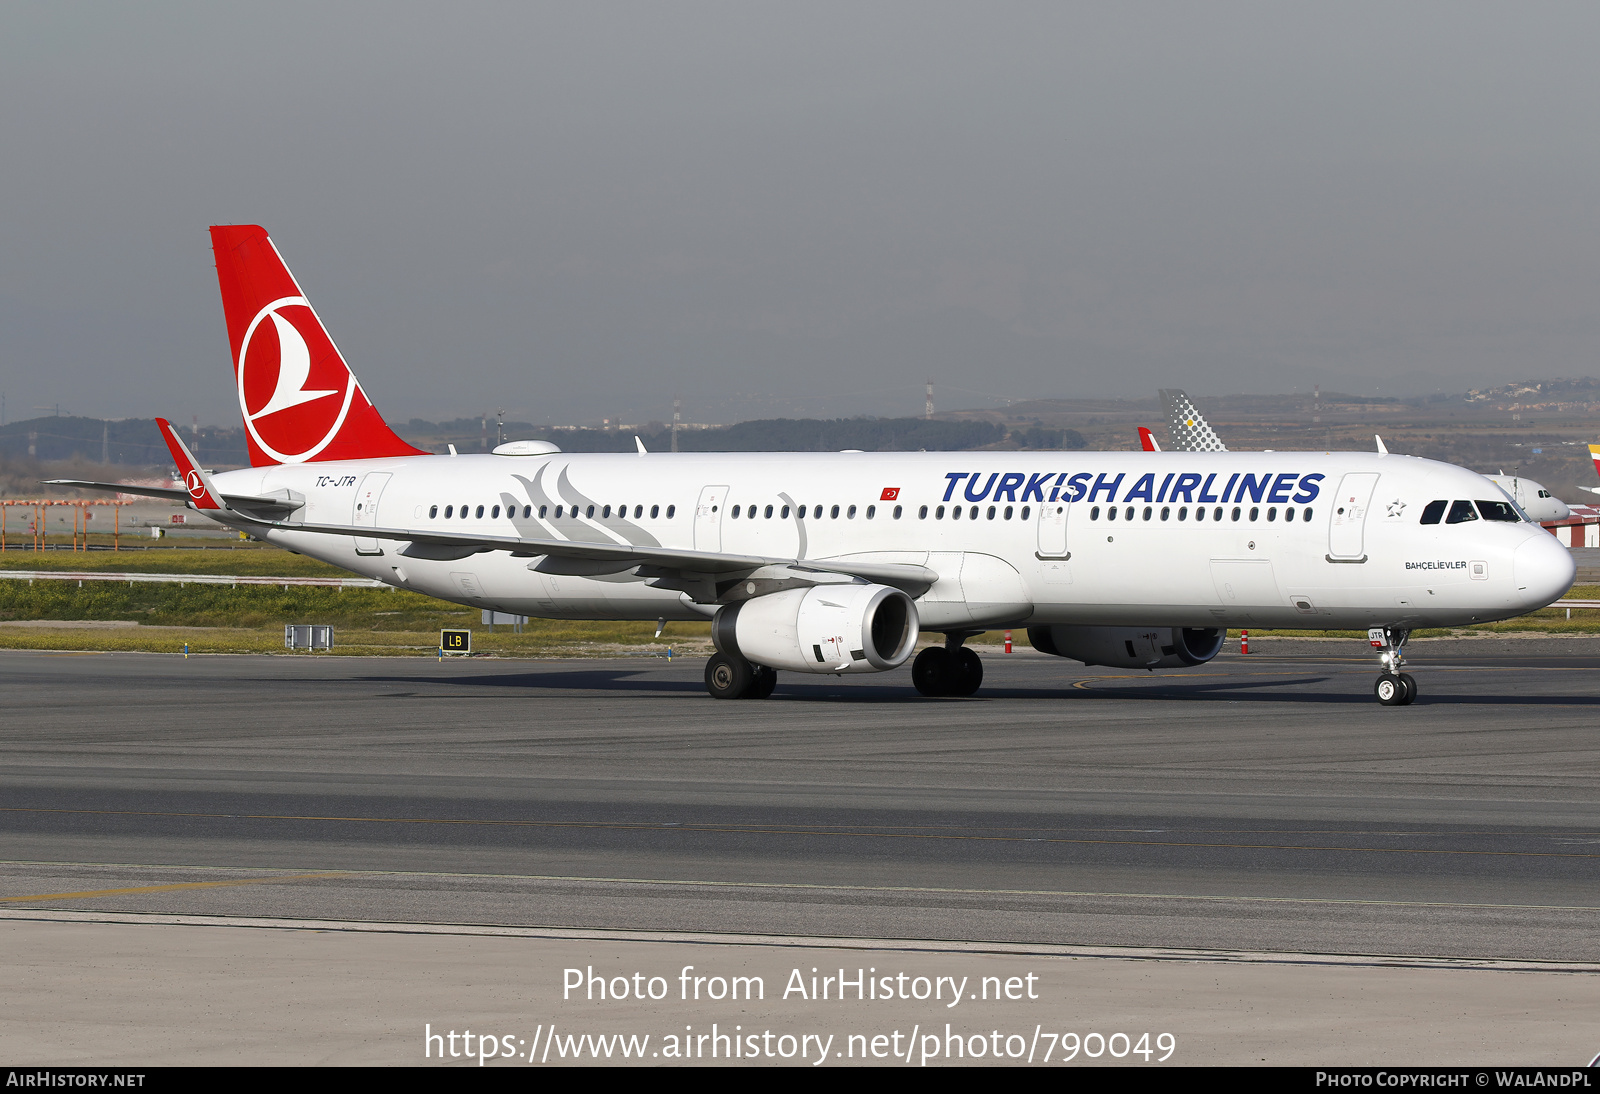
[299,399]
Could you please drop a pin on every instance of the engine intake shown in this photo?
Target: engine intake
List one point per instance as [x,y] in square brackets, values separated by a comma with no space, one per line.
[1130,647]
[824,628]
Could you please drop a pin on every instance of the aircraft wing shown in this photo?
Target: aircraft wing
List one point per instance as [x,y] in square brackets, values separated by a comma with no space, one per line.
[272,506]
[703,574]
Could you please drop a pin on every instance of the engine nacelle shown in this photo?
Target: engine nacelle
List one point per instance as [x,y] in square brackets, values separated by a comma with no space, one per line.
[824,628]
[1130,647]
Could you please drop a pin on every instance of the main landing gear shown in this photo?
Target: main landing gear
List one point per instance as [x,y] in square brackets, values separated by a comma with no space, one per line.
[735,678]
[950,669]
[1393,688]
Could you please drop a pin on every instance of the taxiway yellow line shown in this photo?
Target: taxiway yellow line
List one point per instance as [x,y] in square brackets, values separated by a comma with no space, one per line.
[88,894]
[808,831]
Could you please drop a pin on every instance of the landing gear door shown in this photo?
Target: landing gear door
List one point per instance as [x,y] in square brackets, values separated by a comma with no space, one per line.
[1346,532]
[365,514]
[708,518]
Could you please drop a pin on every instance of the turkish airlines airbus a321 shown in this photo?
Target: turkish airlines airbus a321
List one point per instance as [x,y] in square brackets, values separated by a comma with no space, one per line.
[835,562]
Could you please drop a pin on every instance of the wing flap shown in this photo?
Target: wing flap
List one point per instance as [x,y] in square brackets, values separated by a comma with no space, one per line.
[597,558]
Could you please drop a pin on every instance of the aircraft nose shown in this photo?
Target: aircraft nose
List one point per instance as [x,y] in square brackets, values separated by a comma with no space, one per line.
[1543,569]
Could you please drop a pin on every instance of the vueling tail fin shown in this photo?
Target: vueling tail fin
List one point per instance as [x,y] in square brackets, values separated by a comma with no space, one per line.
[299,399]
[1190,431]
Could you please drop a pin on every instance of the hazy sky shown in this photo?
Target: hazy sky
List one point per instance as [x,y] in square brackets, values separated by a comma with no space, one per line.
[573,210]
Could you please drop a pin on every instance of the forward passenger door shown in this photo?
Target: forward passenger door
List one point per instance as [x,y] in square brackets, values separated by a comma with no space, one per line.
[1347,527]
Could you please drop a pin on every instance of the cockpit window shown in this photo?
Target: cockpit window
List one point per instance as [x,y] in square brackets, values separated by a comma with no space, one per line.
[1546,494]
[1461,512]
[1433,513]
[1498,510]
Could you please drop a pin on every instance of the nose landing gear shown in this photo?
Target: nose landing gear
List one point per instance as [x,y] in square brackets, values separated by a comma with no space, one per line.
[948,670]
[1393,688]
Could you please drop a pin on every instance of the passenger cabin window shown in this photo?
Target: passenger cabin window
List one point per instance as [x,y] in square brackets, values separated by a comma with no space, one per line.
[433,511]
[449,511]
[671,509]
[1461,512]
[655,511]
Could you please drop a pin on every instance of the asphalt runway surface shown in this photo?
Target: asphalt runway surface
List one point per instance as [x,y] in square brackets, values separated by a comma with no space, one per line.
[1262,803]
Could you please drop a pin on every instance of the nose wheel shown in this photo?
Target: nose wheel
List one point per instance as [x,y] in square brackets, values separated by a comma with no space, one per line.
[1393,687]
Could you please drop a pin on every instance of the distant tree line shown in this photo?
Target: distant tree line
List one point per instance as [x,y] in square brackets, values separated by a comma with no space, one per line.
[137,441]
[131,441]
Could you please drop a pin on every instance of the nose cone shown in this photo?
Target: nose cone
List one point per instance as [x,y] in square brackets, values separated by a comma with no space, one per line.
[1543,570]
[1560,509]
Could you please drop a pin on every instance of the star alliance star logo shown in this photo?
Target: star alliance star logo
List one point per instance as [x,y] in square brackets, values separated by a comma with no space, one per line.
[1396,507]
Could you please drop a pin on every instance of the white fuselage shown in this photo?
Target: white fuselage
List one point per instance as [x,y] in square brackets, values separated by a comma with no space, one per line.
[1033,544]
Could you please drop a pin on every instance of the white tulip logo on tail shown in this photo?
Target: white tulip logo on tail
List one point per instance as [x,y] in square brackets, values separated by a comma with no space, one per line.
[293,375]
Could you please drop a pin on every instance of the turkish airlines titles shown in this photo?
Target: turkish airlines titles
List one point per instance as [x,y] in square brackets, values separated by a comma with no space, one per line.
[1187,486]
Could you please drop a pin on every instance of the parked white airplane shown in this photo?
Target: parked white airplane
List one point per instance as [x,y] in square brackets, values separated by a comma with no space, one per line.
[834,562]
[1192,433]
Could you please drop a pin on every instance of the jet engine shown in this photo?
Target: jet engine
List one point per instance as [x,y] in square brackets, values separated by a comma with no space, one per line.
[1130,647]
[823,628]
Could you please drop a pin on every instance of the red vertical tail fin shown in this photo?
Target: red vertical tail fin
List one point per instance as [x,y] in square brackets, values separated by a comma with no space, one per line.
[299,399]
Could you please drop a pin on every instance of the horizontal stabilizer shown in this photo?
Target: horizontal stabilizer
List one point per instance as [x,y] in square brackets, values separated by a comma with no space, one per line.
[274,506]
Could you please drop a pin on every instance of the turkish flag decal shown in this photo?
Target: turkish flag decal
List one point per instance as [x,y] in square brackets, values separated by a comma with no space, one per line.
[890,493]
